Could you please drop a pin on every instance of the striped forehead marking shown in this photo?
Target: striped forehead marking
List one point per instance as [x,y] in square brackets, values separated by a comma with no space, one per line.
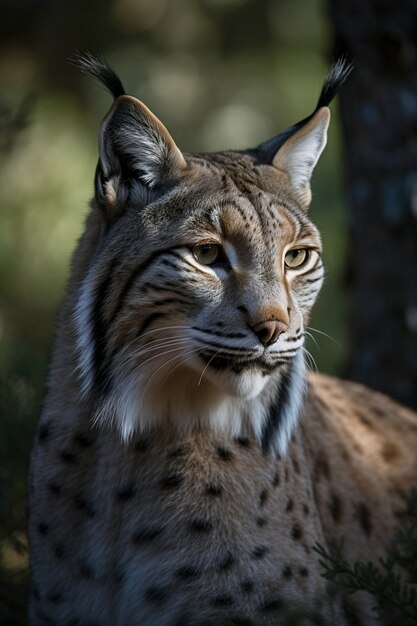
[263,218]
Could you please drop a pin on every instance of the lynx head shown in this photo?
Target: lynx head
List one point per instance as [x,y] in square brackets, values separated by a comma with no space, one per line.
[191,312]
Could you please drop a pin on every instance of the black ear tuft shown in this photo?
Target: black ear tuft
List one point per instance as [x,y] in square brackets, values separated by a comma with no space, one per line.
[336,77]
[333,81]
[94,65]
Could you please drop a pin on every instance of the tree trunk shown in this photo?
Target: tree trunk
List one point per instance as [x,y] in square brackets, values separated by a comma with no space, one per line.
[379,117]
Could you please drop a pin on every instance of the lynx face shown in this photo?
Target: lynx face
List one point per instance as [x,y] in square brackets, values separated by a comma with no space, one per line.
[203,277]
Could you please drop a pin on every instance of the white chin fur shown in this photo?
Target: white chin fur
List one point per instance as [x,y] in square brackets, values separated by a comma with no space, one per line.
[219,399]
[227,403]
[246,385]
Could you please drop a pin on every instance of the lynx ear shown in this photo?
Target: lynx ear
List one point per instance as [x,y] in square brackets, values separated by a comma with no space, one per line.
[297,149]
[299,154]
[135,147]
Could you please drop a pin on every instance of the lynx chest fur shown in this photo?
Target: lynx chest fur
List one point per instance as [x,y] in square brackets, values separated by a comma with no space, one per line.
[185,464]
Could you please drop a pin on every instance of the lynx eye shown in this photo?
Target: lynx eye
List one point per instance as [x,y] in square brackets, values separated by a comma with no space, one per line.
[207,253]
[296,258]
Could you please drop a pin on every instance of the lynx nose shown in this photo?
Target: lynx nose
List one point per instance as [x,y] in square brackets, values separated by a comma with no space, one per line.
[268,331]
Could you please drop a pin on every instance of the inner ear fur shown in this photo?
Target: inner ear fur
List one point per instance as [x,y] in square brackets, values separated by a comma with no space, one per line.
[135,149]
[299,154]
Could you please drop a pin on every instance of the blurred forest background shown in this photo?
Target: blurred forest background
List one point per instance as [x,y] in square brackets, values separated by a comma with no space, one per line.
[220,74]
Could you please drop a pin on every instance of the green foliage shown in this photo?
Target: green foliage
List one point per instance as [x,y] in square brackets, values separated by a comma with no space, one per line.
[393,581]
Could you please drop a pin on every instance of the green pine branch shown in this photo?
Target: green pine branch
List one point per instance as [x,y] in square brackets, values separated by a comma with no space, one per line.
[393,581]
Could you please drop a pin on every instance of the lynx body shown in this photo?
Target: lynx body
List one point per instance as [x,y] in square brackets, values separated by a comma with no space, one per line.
[185,464]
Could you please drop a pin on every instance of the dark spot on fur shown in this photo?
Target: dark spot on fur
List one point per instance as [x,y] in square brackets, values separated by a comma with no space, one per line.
[141,444]
[290,505]
[212,489]
[296,532]
[321,467]
[389,452]
[223,601]
[171,480]
[126,493]
[247,585]
[67,456]
[242,308]
[286,475]
[296,466]
[357,447]
[118,577]
[83,440]
[156,595]
[60,551]
[201,525]
[44,432]
[259,552]
[271,605]
[86,571]
[345,455]
[55,488]
[365,421]
[243,442]
[263,497]
[177,452]
[379,412]
[226,562]
[187,571]
[335,508]
[276,479]
[351,613]
[224,454]
[306,509]
[241,621]
[43,528]
[287,572]
[84,505]
[146,534]
[303,572]
[363,516]
[261,522]
[55,597]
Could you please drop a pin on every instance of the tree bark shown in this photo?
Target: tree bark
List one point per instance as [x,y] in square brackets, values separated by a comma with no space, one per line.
[379,118]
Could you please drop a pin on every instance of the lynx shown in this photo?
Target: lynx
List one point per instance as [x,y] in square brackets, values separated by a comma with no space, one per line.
[185,463]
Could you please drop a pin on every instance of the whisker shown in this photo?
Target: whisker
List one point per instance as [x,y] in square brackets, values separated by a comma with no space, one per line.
[152,358]
[204,370]
[139,353]
[163,329]
[194,351]
[313,339]
[307,360]
[324,335]
[311,358]
[160,340]
[176,367]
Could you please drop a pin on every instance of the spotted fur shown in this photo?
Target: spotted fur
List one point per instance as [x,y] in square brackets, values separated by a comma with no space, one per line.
[185,464]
